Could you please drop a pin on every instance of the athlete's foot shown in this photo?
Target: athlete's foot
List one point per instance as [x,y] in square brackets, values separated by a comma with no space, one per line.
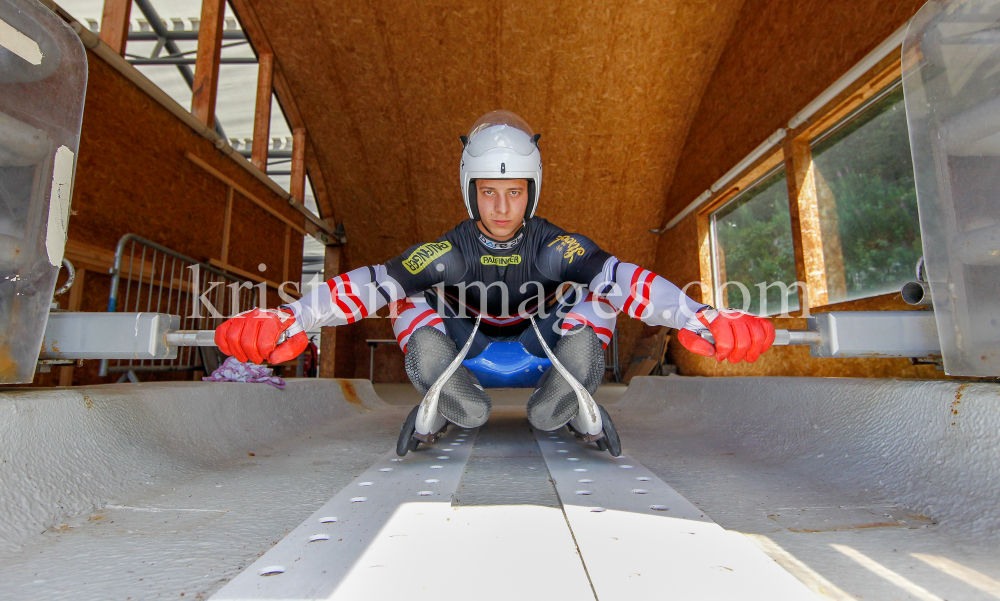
[463,401]
[554,403]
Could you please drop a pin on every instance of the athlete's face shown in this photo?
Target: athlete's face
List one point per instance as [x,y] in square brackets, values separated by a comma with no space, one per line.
[502,203]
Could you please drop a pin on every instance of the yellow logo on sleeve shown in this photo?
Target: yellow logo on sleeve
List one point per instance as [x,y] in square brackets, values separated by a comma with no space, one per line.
[425,255]
[569,247]
[500,261]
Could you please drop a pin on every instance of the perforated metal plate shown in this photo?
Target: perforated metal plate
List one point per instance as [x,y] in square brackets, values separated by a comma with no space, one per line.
[314,559]
[640,539]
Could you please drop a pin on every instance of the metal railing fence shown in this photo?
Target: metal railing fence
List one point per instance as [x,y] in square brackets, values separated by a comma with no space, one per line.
[160,280]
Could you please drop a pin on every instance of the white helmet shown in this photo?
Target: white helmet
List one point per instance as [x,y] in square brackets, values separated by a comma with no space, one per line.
[500,145]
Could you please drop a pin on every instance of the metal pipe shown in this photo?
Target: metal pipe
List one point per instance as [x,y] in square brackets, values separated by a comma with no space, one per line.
[916,293]
[238,60]
[190,337]
[152,36]
[783,337]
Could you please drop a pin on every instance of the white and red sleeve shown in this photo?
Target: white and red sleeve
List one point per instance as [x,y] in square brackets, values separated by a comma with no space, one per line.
[409,314]
[593,311]
[346,298]
[642,294]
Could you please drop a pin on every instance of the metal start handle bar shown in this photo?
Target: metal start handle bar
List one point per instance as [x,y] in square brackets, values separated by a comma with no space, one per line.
[783,337]
[190,337]
[207,337]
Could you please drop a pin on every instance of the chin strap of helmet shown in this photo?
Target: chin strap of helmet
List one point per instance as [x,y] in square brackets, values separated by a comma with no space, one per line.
[488,230]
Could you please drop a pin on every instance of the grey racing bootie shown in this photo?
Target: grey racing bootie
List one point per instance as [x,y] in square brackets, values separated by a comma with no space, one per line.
[554,403]
[463,401]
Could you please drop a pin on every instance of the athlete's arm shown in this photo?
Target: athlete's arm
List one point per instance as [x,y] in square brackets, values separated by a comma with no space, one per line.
[254,335]
[655,301]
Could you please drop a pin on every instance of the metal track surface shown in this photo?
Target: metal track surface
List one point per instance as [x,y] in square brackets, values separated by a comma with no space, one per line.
[315,558]
[640,539]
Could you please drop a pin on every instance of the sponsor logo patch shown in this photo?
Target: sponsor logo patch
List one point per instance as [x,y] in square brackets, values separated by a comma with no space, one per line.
[500,261]
[424,255]
[494,245]
[569,247]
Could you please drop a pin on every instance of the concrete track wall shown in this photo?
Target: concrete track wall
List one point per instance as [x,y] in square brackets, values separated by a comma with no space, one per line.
[931,446]
[64,451]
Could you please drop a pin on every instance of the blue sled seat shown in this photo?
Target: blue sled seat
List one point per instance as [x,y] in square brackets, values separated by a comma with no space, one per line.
[507,365]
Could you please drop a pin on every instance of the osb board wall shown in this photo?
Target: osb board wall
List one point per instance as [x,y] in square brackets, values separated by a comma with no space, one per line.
[782,54]
[132,176]
[386,87]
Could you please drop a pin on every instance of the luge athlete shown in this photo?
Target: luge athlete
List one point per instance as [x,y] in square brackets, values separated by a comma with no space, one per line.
[503,264]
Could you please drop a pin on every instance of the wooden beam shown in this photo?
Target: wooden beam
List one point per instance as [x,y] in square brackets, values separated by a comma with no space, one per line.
[806,241]
[251,26]
[284,93]
[244,192]
[88,256]
[254,30]
[227,225]
[297,187]
[324,202]
[114,24]
[251,276]
[206,70]
[262,114]
[288,248]
[328,335]
[705,251]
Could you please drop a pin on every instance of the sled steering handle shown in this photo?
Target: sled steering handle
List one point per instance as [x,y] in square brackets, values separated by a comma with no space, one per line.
[781,337]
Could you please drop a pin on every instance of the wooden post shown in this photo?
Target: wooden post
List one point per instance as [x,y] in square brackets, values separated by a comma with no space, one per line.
[114,24]
[206,69]
[262,114]
[227,226]
[328,336]
[75,299]
[288,248]
[297,188]
[807,238]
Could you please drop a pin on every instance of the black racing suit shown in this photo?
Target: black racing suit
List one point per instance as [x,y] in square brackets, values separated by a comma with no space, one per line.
[465,273]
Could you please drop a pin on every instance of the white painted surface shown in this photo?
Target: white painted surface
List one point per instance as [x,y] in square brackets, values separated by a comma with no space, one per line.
[59,200]
[496,553]
[931,446]
[19,44]
[639,538]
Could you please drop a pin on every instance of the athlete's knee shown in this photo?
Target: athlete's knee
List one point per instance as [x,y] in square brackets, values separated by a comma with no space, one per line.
[429,336]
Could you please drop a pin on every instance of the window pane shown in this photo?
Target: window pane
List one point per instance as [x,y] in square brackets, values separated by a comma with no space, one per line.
[753,248]
[867,202]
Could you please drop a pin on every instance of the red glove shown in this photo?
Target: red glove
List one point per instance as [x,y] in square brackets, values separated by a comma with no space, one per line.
[253,336]
[738,335]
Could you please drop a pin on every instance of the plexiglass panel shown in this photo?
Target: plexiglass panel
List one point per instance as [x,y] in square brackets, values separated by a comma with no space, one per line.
[951,77]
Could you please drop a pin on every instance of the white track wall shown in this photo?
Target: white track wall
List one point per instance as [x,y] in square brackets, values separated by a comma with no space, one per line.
[931,446]
[65,451]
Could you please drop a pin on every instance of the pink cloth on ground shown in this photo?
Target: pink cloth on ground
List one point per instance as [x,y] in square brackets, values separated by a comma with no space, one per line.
[232,370]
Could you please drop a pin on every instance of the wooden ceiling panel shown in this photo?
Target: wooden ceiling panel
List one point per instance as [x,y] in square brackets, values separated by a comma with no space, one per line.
[385,87]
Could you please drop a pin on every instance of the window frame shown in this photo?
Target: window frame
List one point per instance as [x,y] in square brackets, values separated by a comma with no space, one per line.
[745,189]
[795,152]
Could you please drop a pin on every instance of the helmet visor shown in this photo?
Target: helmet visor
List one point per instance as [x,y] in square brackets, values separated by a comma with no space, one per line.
[500,129]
